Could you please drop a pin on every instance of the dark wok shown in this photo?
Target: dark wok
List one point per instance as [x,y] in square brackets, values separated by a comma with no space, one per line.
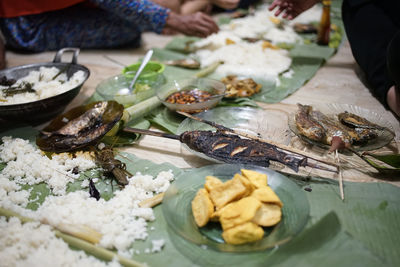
[45,109]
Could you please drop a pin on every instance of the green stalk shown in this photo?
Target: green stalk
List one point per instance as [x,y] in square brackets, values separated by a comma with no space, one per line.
[75,242]
[135,112]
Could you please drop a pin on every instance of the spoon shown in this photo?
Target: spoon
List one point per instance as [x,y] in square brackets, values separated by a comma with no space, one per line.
[146,59]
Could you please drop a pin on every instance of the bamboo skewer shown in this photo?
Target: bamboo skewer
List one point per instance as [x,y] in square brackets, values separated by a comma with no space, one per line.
[280,146]
[340,175]
[79,243]
[177,137]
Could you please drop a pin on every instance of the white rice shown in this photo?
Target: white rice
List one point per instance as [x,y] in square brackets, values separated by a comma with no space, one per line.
[120,220]
[33,244]
[247,59]
[251,60]
[43,84]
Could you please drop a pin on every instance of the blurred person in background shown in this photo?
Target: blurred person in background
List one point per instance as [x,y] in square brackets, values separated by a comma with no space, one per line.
[373,30]
[192,6]
[42,25]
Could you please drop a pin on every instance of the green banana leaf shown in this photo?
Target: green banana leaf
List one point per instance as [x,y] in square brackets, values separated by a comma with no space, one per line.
[388,164]
[362,230]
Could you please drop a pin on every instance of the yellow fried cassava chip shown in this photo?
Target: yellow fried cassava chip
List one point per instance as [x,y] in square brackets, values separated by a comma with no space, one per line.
[268,215]
[212,182]
[227,192]
[243,233]
[249,186]
[267,195]
[202,207]
[239,212]
[256,178]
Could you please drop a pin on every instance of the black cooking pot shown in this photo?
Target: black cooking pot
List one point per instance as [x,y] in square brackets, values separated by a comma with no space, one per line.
[45,109]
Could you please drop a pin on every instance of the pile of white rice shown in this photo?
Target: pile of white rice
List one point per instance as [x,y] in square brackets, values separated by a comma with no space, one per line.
[248,60]
[43,84]
[251,59]
[34,244]
[120,220]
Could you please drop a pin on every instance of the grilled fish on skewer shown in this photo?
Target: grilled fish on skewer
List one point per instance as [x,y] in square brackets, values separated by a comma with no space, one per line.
[335,134]
[233,149]
[307,125]
[317,127]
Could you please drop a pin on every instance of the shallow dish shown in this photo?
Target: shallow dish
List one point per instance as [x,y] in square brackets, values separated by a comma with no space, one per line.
[143,88]
[44,109]
[177,210]
[384,136]
[214,87]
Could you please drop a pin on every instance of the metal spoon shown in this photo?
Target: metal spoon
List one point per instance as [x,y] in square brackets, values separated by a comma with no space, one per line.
[146,59]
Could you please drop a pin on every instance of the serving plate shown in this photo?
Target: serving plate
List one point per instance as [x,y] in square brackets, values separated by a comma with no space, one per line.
[177,210]
[331,110]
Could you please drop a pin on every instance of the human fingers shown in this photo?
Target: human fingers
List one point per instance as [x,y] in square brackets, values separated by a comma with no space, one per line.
[208,22]
[280,10]
[274,4]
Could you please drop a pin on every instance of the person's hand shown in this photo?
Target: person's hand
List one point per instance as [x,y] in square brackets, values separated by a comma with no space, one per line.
[226,4]
[197,24]
[291,8]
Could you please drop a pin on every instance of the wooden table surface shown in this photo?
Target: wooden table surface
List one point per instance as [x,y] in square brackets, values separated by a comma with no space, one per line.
[336,82]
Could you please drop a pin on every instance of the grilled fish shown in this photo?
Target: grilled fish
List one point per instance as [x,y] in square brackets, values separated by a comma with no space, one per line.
[355,121]
[307,125]
[314,125]
[234,149]
[84,121]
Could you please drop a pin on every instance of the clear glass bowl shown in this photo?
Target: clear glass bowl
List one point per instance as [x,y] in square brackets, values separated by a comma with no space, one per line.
[177,209]
[215,87]
[143,88]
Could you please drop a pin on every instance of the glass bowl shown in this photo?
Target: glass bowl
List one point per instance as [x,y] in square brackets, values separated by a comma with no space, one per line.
[143,88]
[214,87]
[150,72]
[177,209]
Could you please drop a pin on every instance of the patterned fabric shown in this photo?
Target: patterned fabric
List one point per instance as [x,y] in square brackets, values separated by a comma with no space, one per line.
[114,23]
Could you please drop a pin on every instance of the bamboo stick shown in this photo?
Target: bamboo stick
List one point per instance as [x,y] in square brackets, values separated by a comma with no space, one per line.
[151,202]
[280,146]
[340,175]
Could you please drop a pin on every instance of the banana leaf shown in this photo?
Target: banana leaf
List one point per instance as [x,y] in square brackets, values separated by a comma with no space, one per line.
[387,164]
[362,231]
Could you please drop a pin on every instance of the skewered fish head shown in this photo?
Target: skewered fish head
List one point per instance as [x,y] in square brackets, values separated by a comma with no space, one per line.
[80,126]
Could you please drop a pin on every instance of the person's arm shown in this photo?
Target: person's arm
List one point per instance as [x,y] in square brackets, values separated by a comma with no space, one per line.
[197,24]
[291,8]
[152,17]
[190,7]
[226,4]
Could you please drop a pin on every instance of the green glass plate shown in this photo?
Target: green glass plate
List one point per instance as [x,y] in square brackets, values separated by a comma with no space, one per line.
[178,212]
[331,110]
